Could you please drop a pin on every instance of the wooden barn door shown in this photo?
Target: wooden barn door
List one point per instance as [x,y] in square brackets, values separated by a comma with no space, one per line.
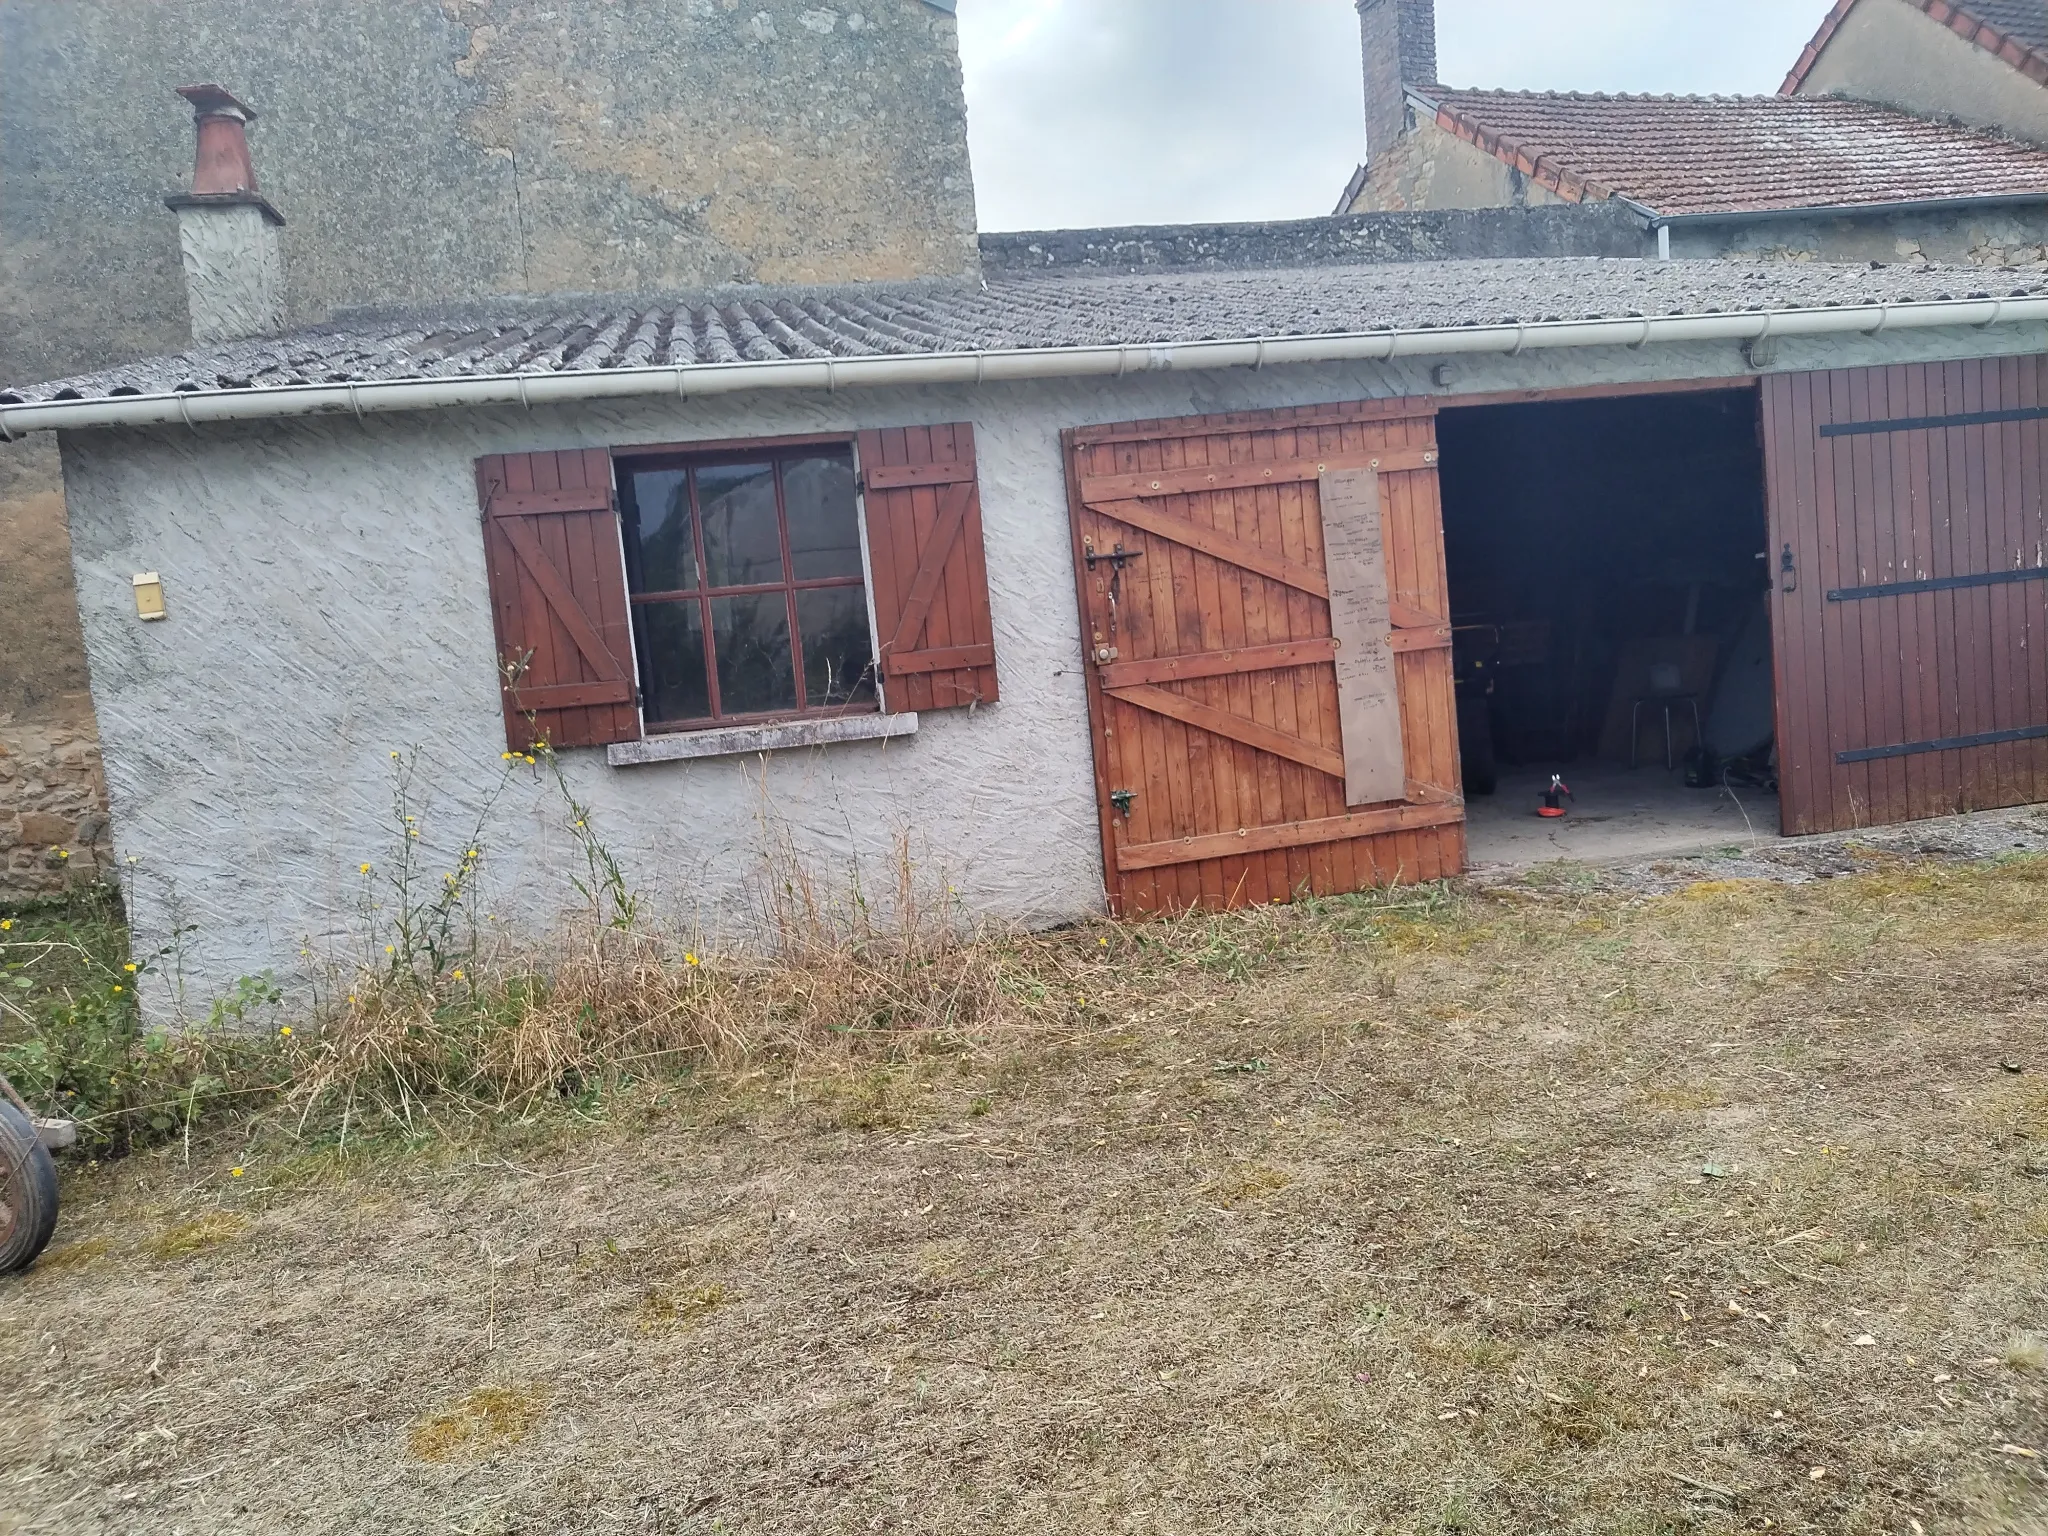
[1267,721]
[1910,551]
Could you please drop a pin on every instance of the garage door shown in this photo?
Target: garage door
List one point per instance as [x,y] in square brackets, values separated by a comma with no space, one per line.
[1268,653]
[1910,556]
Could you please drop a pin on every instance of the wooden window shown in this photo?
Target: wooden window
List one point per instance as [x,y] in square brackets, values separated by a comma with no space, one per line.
[558,599]
[748,590]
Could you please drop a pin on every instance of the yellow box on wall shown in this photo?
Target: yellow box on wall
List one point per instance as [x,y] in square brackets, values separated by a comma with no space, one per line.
[149,596]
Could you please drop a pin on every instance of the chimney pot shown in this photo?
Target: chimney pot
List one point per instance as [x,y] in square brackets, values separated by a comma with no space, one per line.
[221,167]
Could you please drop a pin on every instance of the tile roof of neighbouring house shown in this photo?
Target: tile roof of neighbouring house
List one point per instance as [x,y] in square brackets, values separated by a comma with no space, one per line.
[766,325]
[1689,155]
[2014,30]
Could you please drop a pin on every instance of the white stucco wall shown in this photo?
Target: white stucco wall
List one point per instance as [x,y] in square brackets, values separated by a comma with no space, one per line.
[328,607]
[234,271]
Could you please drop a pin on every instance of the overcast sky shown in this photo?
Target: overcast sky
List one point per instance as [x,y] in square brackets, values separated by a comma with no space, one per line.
[1092,112]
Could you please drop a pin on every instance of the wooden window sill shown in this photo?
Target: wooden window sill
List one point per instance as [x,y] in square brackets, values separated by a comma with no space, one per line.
[741,740]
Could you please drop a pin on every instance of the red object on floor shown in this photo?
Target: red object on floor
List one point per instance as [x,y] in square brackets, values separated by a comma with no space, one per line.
[1555,797]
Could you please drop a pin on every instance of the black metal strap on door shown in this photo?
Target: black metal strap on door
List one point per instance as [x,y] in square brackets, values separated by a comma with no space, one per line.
[1932,423]
[1948,744]
[1939,584]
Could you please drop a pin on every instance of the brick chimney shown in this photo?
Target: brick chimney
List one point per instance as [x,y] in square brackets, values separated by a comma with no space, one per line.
[227,231]
[1400,51]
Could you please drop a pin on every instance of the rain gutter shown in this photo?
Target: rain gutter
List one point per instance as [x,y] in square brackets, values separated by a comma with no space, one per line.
[196,407]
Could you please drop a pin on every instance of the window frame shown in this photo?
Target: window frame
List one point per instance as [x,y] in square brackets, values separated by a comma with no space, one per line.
[689,457]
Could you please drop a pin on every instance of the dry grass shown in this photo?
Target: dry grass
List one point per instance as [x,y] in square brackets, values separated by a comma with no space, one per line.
[1551,1211]
[183,1239]
[490,1419]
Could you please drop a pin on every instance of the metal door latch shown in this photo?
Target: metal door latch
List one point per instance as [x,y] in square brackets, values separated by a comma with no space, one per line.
[1123,800]
[1118,558]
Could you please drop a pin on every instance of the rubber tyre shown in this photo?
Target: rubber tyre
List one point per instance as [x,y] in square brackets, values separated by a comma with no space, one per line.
[30,1190]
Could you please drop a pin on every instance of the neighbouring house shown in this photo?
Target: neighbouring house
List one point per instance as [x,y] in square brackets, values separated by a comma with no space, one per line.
[1088,589]
[1983,62]
[1852,162]
[422,152]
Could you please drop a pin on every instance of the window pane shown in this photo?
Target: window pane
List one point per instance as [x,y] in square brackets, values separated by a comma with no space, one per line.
[755,672]
[823,538]
[742,542]
[666,549]
[839,661]
[672,676]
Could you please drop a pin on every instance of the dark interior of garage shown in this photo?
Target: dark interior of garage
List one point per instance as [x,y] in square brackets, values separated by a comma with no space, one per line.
[1608,584]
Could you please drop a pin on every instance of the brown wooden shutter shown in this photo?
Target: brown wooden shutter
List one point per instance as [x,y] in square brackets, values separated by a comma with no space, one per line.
[558,595]
[936,639]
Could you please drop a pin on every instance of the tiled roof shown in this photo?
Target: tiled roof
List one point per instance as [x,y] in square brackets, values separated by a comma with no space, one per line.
[1681,155]
[2014,30]
[580,334]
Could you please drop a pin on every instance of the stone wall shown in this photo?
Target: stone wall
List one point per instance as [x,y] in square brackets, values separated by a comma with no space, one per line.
[1429,167]
[432,149]
[1576,229]
[2010,235]
[54,833]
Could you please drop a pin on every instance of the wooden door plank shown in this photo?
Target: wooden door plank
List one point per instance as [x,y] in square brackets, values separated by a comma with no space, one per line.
[1368,700]
[1298,788]
[1980,766]
[1241,594]
[1225,547]
[1190,480]
[1164,577]
[1219,722]
[1291,835]
[2033,537]
[1229,663]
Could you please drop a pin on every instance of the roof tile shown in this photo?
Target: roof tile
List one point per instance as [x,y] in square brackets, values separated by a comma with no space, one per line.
[586,334]
[1680,155]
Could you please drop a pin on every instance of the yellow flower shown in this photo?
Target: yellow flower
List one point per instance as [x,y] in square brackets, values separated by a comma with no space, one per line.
[286,1031]
[689,960]
[6,923]
[458,975]
[390,949]
[117,986]
[351,997]
[63,853]
[506,757]
[129,967]
[362,869]
[579,824]
[530,759]
[235,1173]
[394,754]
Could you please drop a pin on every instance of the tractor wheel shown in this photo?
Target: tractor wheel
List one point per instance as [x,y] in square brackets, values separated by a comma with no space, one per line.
[28,1191]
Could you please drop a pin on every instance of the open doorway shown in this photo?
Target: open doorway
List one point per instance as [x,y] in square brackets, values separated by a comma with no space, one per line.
[1608,578]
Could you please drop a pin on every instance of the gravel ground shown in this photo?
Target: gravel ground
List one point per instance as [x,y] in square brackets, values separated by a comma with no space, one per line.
[1982,838]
